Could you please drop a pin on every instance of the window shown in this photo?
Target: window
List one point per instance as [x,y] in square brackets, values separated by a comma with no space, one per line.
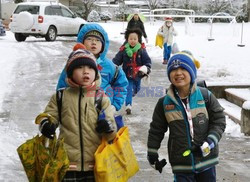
[34,10]
[66,13]
[48,10]
[56,10]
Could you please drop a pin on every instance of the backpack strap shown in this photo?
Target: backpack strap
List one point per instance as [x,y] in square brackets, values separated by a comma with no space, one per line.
[59,95]
[115,75]
[98,101]
[205,94]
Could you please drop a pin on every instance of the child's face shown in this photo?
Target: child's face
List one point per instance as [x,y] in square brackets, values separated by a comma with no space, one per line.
[180,78]
[132,39]
[93,45]
[168,23]
[84,75]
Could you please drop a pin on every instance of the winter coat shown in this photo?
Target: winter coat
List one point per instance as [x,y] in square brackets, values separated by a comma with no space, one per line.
[167,33]
[137,24]
[131,65]
[78,123]
[118,90]
[170,114]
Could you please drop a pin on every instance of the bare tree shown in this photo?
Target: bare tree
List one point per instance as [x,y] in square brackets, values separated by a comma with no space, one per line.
[88,6]
[154,4]
[248,10]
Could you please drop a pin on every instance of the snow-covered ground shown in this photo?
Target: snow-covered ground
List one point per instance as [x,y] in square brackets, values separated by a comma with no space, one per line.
[222,62]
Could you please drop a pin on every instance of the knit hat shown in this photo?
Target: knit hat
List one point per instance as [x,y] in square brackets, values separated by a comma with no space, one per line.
[96,34]
[170,19]
[79,57]
[186,61]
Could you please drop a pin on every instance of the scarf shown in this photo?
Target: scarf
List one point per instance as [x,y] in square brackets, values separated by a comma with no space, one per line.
[130,51]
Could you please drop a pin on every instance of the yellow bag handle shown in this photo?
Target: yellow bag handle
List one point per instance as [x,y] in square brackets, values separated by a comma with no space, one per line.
[43,115]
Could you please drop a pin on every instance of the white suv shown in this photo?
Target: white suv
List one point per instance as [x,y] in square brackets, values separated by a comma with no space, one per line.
[44,19]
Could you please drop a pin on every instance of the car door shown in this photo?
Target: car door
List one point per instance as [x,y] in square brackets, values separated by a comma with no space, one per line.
[72,26]
[58,19]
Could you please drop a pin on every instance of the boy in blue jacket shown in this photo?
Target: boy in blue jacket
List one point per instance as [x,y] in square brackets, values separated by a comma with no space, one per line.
[135,62]
[113,79]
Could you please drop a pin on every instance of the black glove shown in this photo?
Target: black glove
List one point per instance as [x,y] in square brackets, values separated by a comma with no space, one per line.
[47,128]
[104,126]
[159,165]
[155,163]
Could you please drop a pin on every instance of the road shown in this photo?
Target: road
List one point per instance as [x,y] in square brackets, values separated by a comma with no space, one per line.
[35,80]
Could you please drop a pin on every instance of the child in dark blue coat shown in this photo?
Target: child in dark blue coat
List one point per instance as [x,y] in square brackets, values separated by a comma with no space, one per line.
[135,63]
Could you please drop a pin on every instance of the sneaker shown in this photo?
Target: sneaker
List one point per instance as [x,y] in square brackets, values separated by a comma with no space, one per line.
[165,61]
[128,109]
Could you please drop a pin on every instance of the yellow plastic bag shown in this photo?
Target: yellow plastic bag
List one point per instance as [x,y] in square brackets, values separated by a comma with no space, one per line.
[43,164]
[117,161]
[159,41]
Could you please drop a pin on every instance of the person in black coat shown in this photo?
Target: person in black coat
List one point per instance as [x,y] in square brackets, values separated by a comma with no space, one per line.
[136,23]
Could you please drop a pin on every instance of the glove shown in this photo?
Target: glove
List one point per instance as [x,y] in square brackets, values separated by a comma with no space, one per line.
[143,71]
[104,126]
[206,147]
[47,128]
[155,163]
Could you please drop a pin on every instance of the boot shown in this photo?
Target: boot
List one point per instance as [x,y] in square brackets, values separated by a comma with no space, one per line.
[165,61]
[128,109]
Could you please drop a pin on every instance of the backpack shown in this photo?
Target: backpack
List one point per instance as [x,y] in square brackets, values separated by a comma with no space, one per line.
[59,94]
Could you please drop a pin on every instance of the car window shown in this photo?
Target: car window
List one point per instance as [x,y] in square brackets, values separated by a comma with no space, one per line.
[56,10]
[48,10]
[66,13]
[31,9]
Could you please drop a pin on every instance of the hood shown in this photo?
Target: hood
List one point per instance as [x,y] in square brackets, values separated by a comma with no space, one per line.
[93,26]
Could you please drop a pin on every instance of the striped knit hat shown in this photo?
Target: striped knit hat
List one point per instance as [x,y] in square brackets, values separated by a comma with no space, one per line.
[79,57]
[186,61]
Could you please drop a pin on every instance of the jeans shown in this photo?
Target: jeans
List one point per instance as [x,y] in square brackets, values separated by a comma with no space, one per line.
[208,175]
[133,88]
[167,51]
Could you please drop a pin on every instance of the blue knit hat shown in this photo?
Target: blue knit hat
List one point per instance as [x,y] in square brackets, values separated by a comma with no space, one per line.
[185,61]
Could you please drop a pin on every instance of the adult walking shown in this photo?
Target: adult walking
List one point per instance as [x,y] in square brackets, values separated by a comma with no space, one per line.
[137,23]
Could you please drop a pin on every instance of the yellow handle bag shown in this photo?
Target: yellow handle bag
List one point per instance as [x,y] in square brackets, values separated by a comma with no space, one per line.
[117,161]
[159,41]
[42,163]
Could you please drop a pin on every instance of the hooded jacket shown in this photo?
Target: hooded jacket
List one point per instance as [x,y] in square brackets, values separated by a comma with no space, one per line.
[78,122]
[118,90]
[167,33]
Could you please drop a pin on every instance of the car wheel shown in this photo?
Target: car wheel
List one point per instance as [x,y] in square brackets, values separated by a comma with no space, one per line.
[25,20]
[20,37]
[51,34]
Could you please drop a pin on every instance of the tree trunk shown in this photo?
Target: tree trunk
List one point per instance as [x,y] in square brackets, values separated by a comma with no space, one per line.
[248,10]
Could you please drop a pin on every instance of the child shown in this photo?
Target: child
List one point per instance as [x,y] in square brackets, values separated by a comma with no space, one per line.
[79,124]
[195,121]
[114,83]
[167,31]
[135,62]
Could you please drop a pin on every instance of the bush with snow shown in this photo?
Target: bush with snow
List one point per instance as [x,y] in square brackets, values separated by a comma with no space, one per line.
[93,16]
[105,15]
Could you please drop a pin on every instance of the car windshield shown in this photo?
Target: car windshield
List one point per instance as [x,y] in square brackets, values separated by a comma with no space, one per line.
[31,9]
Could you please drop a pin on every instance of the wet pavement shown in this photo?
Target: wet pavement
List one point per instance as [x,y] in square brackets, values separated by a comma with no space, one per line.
[35,81]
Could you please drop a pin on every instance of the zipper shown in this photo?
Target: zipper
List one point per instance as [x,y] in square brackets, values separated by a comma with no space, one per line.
[80,128]
[185,117]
